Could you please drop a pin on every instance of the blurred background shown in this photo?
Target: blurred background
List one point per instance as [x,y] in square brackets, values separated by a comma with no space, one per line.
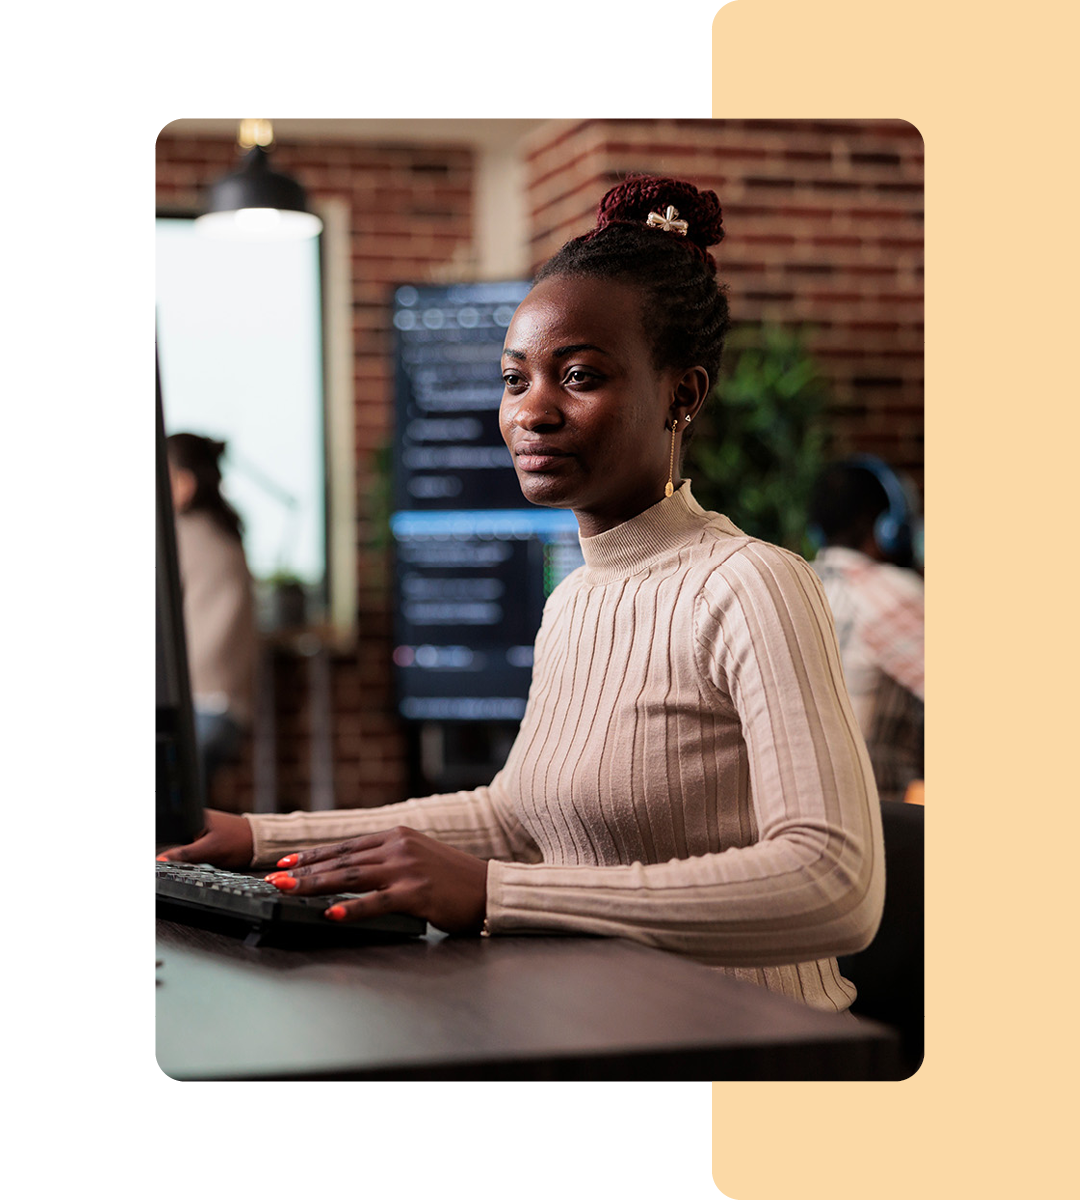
[353,374]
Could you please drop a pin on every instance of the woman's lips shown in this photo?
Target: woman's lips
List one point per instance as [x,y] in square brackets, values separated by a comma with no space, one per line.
[539,457]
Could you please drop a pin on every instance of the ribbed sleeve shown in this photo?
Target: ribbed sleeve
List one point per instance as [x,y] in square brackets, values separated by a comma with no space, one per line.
[478,822]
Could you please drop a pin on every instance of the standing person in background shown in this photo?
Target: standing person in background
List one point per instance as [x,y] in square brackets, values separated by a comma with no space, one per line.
[219,606]
[871,541]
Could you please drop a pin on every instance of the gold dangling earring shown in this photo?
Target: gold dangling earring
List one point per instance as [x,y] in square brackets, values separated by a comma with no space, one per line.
[669,487]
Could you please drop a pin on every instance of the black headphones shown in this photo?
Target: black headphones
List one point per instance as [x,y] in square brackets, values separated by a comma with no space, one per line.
[898,528]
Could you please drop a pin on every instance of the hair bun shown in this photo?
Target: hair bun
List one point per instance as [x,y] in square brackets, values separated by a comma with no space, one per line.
[631,201]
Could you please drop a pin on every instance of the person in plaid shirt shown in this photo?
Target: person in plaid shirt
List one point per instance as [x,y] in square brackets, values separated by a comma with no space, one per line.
[870,538]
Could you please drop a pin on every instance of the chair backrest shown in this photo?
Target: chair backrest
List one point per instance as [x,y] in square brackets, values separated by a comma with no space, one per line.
[889,973]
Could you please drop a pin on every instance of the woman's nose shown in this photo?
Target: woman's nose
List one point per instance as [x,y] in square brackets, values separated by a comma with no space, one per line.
[537,409]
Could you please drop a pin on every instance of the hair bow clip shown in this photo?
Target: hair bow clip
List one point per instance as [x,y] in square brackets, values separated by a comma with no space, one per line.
[669,222]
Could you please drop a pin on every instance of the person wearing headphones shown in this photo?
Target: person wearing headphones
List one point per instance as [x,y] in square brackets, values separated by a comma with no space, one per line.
[871,541]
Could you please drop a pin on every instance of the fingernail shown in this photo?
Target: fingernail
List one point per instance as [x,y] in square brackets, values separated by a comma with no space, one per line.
[290,860]
[285,882]
[336,912]
[163,858]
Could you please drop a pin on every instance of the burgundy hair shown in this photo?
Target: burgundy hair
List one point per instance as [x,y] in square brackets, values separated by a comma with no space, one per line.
[684,309]
[631,202]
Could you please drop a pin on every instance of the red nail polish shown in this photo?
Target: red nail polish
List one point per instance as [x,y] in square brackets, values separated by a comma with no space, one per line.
[288,861]
[336,912]
[285,882]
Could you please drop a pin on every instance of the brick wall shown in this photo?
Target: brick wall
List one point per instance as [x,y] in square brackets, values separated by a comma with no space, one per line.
[823,227]
[410,219]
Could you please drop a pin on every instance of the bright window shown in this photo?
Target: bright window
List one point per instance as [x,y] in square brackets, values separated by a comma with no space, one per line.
[241,352]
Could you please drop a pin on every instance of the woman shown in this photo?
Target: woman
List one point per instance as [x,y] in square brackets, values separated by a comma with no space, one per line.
[219,609]
[688,771]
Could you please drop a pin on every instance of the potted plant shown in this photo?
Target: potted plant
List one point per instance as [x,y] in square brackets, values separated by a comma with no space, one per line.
[760,442]
[288,600]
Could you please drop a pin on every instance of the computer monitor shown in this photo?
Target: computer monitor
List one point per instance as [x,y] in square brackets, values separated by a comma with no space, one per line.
[179,786]
[469,595]
[475,561]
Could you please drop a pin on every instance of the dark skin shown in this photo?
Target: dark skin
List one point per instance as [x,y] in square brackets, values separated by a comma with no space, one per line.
[400,869]
[588,418]
[585,412]
[225,841]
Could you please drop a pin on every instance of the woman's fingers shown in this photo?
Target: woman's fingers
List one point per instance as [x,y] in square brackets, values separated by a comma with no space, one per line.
[304,858]
[360,871]
[340,876]
[359,864]
[403,870]
[374,904]
[225,842]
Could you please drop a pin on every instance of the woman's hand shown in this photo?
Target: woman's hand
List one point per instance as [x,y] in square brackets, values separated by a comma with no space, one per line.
[225,841]
[404,871]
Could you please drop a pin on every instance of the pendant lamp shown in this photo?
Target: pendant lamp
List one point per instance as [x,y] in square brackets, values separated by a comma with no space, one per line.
[257,203]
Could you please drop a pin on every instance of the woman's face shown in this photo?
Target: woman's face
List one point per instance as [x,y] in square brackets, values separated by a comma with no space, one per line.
[584,412]
[182,484]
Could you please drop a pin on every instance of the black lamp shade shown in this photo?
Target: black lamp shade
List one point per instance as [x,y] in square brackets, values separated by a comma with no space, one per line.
[257,204]
[255,185]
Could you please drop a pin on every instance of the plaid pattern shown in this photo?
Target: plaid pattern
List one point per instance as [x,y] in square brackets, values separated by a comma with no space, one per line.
[878,611]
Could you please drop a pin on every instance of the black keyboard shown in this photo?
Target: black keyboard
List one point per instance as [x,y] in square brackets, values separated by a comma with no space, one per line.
[241,903]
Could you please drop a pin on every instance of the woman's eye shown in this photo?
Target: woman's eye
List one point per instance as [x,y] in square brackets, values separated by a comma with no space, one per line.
[512,381]
[577,375]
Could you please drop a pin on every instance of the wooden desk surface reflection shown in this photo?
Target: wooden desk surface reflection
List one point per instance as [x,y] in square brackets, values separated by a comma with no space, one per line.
[486,1008]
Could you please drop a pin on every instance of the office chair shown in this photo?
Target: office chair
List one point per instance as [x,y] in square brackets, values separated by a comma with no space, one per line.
[889,972]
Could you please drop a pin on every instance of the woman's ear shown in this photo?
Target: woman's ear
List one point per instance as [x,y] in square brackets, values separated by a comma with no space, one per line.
[689,393]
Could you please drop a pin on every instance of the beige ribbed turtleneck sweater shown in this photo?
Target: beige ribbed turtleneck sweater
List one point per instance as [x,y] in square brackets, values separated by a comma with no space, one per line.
[688,772]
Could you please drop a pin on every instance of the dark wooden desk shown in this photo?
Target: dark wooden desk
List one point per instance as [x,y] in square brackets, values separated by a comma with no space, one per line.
[486,1008]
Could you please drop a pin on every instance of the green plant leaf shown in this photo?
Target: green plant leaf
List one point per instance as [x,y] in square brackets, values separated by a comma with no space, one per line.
[761,442]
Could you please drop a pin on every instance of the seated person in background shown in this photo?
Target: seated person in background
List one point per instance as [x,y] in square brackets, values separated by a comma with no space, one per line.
[871,542]
[219,606]
[689,771]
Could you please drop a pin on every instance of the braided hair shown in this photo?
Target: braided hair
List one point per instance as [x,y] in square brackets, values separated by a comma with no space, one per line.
[201,456]
[684,308]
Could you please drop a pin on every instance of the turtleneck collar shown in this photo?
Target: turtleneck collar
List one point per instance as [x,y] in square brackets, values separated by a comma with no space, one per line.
[659,529]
